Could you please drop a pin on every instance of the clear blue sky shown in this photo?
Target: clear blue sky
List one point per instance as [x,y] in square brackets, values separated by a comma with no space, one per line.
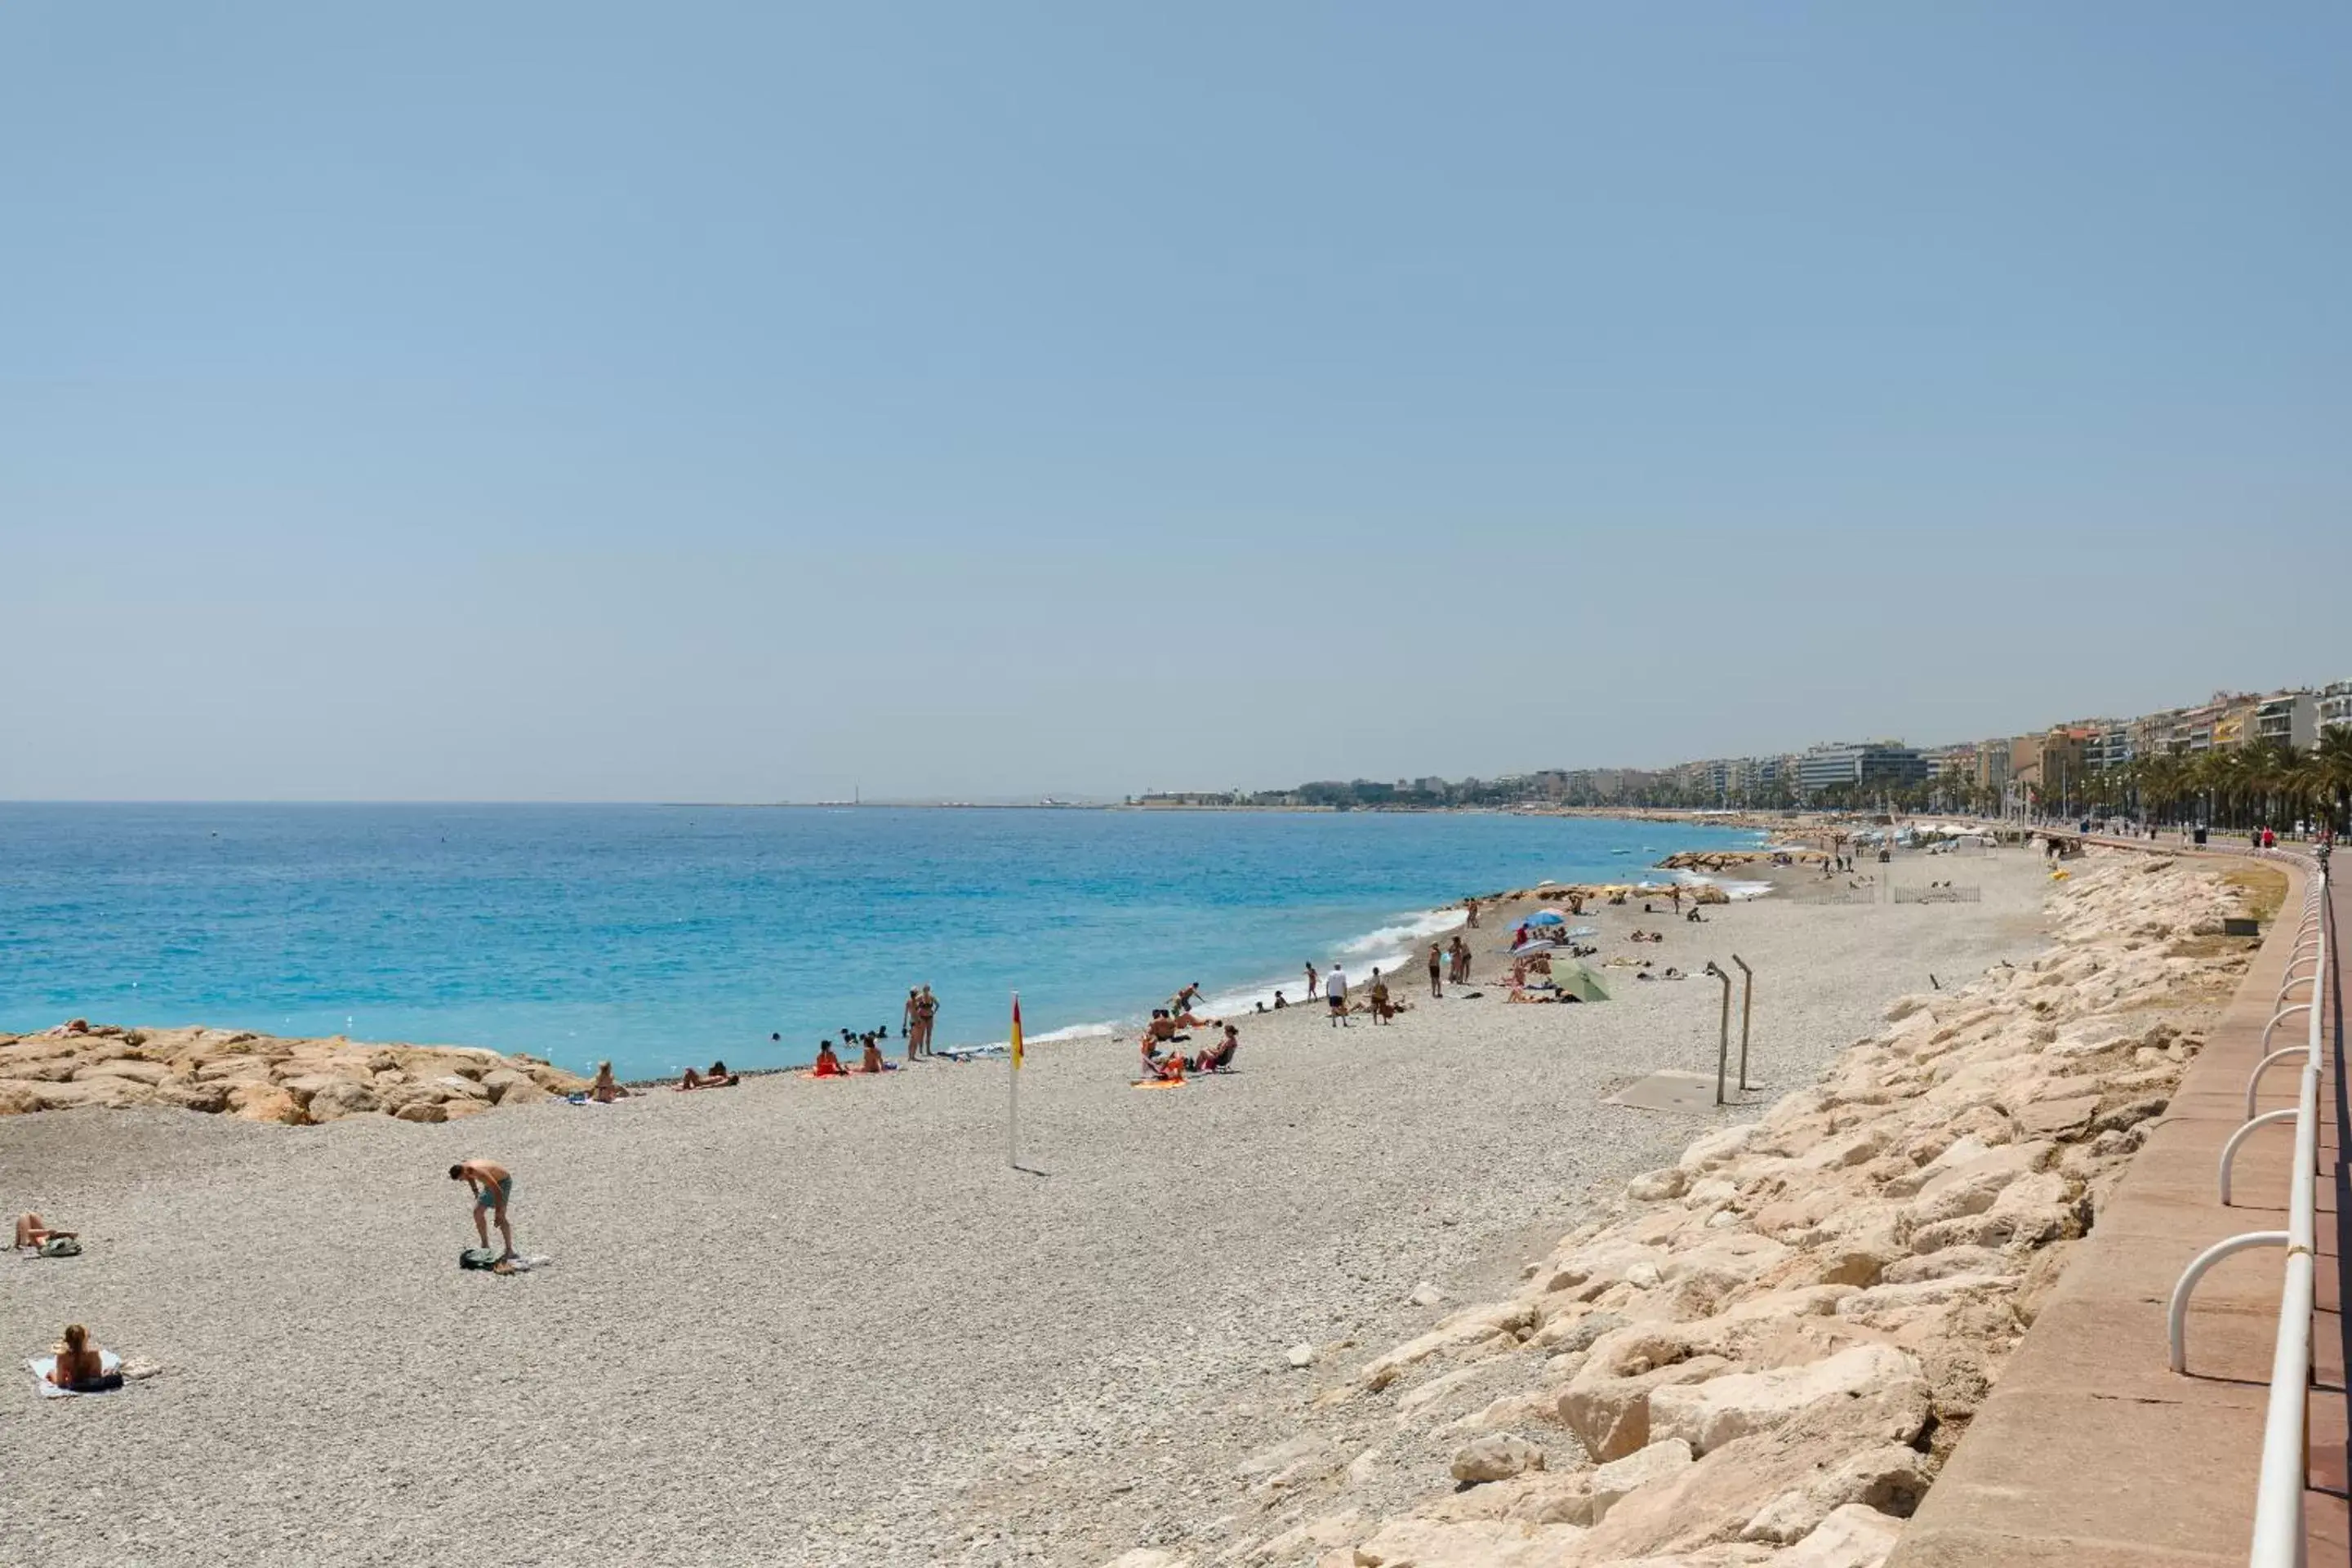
[575,401]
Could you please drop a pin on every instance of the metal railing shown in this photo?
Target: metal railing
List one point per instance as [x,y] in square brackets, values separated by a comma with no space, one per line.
[2278,1531]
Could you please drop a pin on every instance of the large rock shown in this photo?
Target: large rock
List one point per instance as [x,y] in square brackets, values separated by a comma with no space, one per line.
[1660,1461]
[1709,1415]
[1716,1499]
[1855,1536]
[1474,1543]
[1607,1403]
[265,1102]
[1888,1479]
[340,1097]
[148,1073]
[1495,1457]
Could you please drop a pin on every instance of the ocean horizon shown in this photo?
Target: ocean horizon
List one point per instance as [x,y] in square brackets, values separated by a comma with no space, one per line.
[660,936]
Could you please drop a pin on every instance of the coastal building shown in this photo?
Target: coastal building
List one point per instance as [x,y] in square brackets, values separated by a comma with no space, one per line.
[2333,703]
[1993,765]
[1858,764]
[2288,719]
[2110,746]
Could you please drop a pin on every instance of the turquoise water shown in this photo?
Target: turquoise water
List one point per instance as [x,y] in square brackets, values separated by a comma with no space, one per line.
[657,936]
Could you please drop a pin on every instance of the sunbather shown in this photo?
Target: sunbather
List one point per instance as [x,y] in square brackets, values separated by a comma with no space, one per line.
[873,1061]
[1220,1057]
[81,1366]
[828,1064]
[1169,1068]
[606,1089]
[31,1232]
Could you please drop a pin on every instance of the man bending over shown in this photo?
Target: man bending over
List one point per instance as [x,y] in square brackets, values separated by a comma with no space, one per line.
[492,1186]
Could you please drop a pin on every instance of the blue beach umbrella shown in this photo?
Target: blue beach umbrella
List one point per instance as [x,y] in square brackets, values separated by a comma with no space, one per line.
[1547,918]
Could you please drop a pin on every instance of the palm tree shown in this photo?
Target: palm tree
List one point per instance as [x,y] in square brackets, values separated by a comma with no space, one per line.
[2331,762]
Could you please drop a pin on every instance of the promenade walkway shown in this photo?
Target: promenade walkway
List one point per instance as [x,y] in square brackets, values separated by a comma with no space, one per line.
[2090,1452]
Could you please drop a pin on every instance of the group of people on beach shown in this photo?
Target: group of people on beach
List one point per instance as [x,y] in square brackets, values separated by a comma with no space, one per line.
[76,1364]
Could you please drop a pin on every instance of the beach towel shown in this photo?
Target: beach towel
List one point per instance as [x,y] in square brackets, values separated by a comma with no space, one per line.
[485,1260]
[1158,1083]
[40,1366]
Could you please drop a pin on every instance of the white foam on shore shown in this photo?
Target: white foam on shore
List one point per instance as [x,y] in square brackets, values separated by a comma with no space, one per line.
[1387,948]
[1731,890]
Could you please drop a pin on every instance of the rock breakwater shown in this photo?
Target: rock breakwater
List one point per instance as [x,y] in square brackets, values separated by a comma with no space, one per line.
[1765,1351]
[262,1077]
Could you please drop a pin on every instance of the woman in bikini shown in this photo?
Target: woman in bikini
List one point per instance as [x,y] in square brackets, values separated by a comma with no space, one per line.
[606,1089]
[80,1365]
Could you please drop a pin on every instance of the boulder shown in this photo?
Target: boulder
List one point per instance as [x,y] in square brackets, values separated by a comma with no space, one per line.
[1473,1543]
[1889,1480]
[1711,1414]
[338,1098]
[1496,1457]
[1610,1411]
[1657,1186]
[148,1073]
[508,1087]
[1716,1499]
[1659,1461]
[211,1099]
[265,1102]
[422,1110]
[1855,1536]
[18,1098]
[1532,1496]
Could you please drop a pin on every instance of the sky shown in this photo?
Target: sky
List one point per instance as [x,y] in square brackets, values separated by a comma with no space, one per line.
[739,401]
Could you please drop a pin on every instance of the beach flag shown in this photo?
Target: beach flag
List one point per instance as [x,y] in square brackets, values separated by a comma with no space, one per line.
[1016,1032]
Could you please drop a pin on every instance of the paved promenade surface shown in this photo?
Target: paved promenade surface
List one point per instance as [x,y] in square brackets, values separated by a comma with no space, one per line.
[2091,1453]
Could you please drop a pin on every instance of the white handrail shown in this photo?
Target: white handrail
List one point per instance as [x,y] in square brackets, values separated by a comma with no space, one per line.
[2278,1530]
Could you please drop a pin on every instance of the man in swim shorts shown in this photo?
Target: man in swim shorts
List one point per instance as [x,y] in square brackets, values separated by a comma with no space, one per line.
[492,1185]
[1335,991]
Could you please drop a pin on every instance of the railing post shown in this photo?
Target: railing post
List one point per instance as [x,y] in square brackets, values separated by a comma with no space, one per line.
[1747,1010]
[1723,1045]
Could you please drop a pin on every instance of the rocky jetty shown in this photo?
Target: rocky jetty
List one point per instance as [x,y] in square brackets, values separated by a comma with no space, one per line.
[261,1077]
[1765,1353]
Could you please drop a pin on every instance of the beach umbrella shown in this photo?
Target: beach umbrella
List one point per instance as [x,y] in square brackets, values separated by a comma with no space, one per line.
[1547,918]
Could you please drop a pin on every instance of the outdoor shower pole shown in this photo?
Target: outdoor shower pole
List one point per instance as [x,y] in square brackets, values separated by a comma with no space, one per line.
[1723,1048]
[1747,1010]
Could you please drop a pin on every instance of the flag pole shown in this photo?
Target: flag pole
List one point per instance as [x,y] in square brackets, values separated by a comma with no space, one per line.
[1013,1101]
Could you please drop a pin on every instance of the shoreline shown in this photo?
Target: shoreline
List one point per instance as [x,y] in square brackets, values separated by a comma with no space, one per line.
[992,1367]
[1234,984]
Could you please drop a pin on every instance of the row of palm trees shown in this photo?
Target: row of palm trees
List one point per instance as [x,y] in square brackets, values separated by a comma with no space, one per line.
[2267,783]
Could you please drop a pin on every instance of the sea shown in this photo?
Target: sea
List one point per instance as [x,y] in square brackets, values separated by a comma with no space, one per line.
[657,936]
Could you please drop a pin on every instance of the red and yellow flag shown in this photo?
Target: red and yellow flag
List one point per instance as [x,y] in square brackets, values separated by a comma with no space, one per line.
[1016,1031]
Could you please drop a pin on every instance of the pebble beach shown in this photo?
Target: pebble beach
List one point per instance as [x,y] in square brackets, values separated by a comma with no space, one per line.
[823,1322]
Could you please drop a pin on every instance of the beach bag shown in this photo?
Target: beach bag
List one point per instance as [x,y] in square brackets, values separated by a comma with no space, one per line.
[61,1246]
[478,1258]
